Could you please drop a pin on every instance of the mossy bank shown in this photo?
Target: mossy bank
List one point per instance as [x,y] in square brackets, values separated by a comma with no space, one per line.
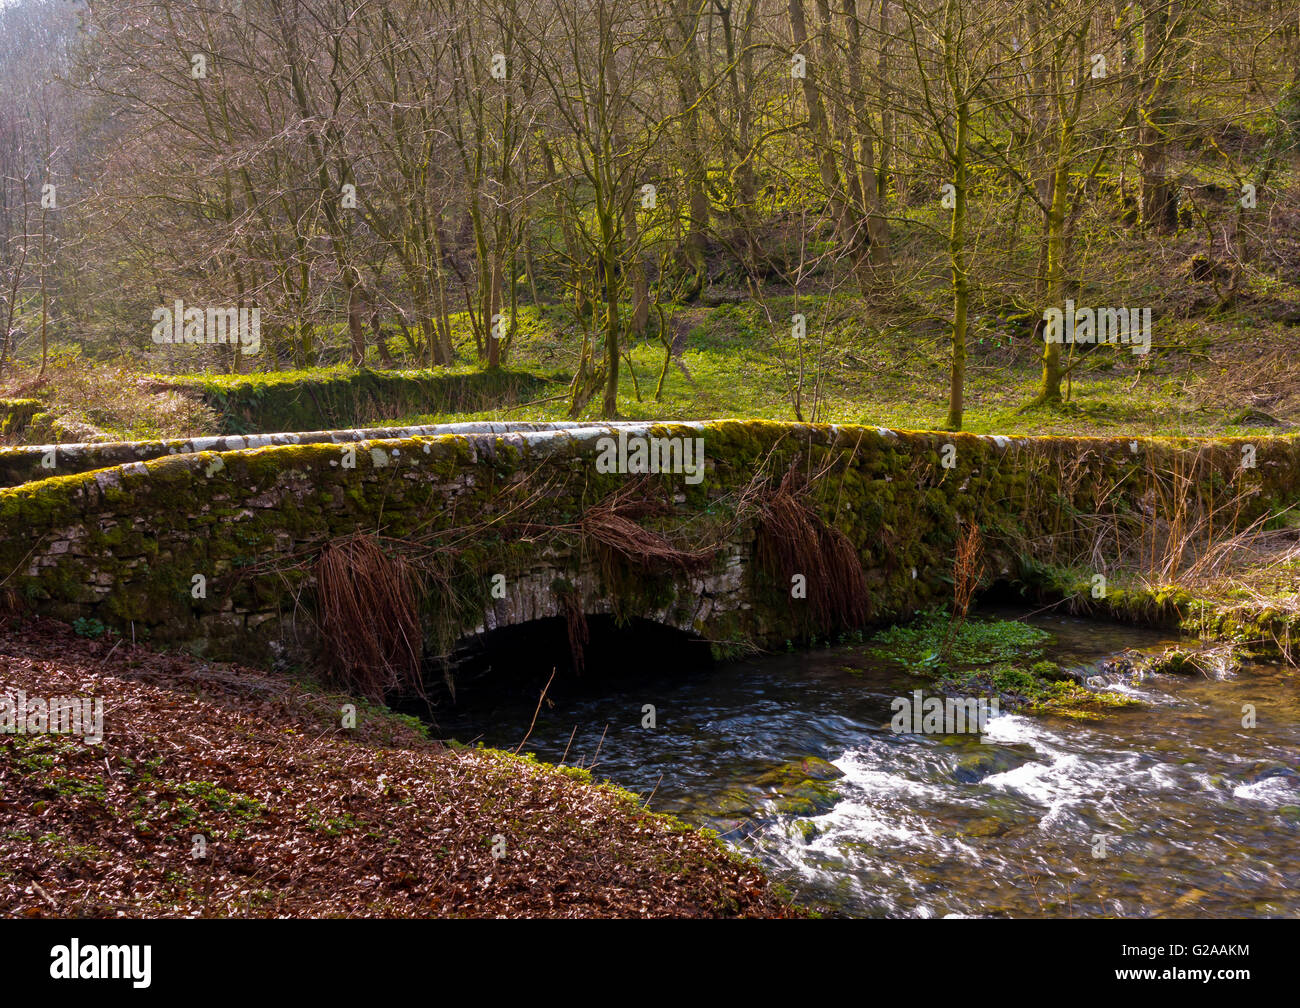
[339,397]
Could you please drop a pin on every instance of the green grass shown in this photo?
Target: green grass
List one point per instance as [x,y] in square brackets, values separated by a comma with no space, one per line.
[920,645]
[861,366]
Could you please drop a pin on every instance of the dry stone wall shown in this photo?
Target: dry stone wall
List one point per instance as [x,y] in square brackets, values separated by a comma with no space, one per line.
[131,544]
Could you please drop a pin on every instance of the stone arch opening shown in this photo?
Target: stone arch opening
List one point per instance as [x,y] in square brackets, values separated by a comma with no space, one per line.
[503,665]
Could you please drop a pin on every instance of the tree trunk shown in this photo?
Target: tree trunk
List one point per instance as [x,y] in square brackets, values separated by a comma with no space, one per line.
[869,182]
[696,166]
[636,268]
[1159,195]
[960,283]
[356,317]
[885,165]
[612,326]
[818,126]
[1050,388]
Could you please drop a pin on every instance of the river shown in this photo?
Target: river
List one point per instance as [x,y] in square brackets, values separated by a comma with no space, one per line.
[1172,808]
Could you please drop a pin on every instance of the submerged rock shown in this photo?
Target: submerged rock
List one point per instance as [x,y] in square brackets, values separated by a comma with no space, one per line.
[978,765]
[1272,768]
[735,801]
[1213,662]
[818,769]
[801,787]
[808,799]
[798,788]
[989,826]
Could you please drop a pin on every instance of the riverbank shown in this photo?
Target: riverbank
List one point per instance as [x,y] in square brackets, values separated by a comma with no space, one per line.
[1250,599]
[222,791]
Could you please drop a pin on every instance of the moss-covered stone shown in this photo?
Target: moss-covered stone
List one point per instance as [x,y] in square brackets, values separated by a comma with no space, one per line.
[122,543]
[802,787]
[16,415]
[344,397]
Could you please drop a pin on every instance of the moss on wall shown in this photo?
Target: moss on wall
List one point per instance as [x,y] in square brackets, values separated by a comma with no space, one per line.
[343,397]
[124,545]
[37,462]
[16,415]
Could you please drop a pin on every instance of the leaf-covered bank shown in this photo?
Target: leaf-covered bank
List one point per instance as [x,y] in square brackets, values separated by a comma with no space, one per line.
[294,815]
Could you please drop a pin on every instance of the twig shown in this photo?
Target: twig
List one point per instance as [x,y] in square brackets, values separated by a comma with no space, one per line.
[45,896]
[598,745]
[536,712]
[654,792]
[566,748]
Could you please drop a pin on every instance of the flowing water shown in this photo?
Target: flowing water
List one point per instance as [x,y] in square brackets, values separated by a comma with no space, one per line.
[1173,808]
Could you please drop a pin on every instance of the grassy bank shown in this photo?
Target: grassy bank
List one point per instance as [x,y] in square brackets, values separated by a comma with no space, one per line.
[864,364]
[1229,373]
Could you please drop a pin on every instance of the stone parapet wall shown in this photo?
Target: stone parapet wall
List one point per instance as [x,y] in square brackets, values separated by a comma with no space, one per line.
[123,545]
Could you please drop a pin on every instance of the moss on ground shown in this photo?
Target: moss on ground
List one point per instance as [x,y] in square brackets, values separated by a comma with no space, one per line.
[991,658]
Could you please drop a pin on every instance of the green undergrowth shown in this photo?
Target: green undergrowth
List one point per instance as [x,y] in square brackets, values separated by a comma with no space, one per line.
[863,363]
[926,644]
[1002,658]
[1257,612]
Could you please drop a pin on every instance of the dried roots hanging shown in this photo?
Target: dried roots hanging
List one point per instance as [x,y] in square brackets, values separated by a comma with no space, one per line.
[575,621]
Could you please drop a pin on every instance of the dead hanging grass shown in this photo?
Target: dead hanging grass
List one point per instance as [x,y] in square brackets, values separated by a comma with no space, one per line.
[612,525]
[1192,537]
[369,620]
[1194,520]
[1185,530]
[1190,520]
[967,571]
[793,539]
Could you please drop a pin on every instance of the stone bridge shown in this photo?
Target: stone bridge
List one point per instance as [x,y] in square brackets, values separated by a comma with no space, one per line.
[211,544]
